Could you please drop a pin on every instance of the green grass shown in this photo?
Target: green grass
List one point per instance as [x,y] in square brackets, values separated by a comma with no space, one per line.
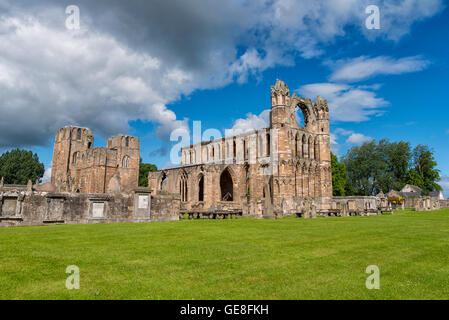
[323,258]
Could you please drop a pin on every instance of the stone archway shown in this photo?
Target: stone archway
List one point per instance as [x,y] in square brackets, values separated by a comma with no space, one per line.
[201,188]
[226,186]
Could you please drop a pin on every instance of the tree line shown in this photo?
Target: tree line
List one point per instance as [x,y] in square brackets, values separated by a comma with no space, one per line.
[381,166]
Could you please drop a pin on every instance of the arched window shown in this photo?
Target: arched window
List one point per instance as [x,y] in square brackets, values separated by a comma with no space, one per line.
[268,145]
[300,118]
[75,157]
[201,189]
[125,162]
[226,186]
[234,152]
[304,146]
[296,145]
[127,142]
[310,148]
[245,153]
[317,149]
[163,180]
[183,186]
[78,134]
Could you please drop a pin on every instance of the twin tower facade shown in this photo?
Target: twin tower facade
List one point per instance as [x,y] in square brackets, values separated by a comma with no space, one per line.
[80,168]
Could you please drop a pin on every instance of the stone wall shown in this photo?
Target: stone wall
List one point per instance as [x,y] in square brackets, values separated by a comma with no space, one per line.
[427,203]
[19,206]
[444,204]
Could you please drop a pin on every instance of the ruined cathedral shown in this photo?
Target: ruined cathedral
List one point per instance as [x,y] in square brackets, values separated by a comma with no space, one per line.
[271,172]
[268,172]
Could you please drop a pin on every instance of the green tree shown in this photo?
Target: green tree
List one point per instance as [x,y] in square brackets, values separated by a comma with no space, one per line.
[399,161]
[374,167]
[339,176]
[362,164]
[144,169]
[18,166]
[424,173]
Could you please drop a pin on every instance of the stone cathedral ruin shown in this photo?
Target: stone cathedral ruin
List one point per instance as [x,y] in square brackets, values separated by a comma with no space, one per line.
[267,173]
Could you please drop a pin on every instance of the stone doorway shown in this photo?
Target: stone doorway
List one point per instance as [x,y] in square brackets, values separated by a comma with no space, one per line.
[226,186]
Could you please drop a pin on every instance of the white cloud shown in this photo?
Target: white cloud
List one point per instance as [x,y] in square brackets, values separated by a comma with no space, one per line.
[358,138]
[335,146]
[134,58]
[346,103]
[363,67]
[84,79]
[251,122]
[444,183]
[47,175]
[351,138]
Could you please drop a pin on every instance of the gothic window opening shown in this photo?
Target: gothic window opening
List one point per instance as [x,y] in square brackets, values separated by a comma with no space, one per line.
[163,180]
[310,148]
[234,153]
[201,189]
[317,149]
[300,118]
[125,162]
[78,134]
[303,149]
[268,144]
[226,186]
[127,142]
[75,158]
[296,145]
[183,187]
[245,154]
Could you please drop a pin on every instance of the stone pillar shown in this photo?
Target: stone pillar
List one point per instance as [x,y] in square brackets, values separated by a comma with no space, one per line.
[313,211]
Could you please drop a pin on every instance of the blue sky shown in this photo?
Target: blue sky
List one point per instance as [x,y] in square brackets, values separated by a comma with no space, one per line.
[216,66]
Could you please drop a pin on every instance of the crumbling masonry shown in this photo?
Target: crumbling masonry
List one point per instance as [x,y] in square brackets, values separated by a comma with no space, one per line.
[269,172]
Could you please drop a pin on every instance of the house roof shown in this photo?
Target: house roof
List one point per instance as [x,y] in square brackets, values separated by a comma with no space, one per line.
[393,194]
[412,188]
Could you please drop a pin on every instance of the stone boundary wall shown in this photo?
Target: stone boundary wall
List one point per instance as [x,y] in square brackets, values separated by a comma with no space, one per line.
[24,207]
[358,205]
[444,204]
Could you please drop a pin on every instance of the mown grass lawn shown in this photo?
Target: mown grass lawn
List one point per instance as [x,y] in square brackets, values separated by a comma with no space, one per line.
[323,258]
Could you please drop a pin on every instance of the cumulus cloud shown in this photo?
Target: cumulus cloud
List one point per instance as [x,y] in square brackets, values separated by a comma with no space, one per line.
[358,138]
[83,79]
[132,59]
[335,146]
[346,103]
[251,122]
[351,138]
[363,67]
[444,183]
[47,176]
